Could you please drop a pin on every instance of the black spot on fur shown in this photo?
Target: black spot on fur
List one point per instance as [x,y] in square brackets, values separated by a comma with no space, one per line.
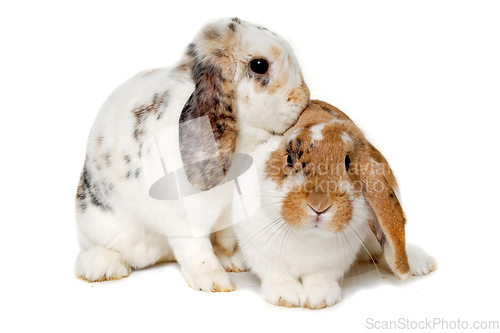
[236,20]
[294,153]
[127,159]
[107,158]
[232,26]
[139,153]
[211,33]
[90,193]
[137,172]
[262,28]
[97,165]
[191,51]
[219,53]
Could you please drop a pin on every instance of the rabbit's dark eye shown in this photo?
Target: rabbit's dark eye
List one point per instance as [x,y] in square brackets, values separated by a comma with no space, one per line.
[347,162]
[290,161]
[259,66]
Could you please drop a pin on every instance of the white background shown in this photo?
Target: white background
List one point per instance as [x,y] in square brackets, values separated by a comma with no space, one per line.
[422,79]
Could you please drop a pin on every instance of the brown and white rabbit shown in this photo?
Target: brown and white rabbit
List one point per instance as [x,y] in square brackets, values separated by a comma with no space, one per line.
[325,192]
[242,78]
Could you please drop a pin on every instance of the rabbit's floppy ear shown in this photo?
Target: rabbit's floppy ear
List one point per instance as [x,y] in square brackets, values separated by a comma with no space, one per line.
[207,126]
[379,186]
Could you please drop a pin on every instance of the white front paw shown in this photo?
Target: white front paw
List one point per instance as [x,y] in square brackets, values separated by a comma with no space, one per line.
[320,295]
[98,264]
[282,292]
[420,262]
[209,280]
[231,262]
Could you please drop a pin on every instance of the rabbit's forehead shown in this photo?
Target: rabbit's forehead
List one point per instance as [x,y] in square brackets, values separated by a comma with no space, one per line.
[245,38]
[323,135]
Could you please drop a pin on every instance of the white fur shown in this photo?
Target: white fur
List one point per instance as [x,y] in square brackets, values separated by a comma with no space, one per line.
[138,231]
[317,132]
[346,138]
[420,261]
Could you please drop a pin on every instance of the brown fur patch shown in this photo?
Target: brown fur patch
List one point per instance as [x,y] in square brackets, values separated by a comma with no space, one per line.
[211,33]
[287,304]
[276,52]
[151,72]
[320,306]
[183,67]
[299,95]
[216,288]
[142,112]
[389,213]
[214,98]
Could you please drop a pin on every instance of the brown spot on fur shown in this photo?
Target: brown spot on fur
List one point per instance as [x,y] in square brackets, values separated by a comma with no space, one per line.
[276,52]
[287,304]
[151,72]
[299,95]
[103,278]
[183,67]
[320,306]
[142,112]
[216,288]
[339,115]
[246,100]
[211,33]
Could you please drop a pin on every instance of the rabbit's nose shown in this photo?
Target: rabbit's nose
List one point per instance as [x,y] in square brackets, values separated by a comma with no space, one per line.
[319,210]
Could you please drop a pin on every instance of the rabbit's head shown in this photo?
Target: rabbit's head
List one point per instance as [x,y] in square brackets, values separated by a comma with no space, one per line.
[246,77]
[327,176]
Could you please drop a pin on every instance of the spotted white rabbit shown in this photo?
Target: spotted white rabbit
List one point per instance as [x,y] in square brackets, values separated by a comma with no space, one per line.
[325,192]
[247,82]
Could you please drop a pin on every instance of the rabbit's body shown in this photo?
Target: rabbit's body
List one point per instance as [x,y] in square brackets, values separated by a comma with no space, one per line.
[111,211]
[120,226]
[326,192]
